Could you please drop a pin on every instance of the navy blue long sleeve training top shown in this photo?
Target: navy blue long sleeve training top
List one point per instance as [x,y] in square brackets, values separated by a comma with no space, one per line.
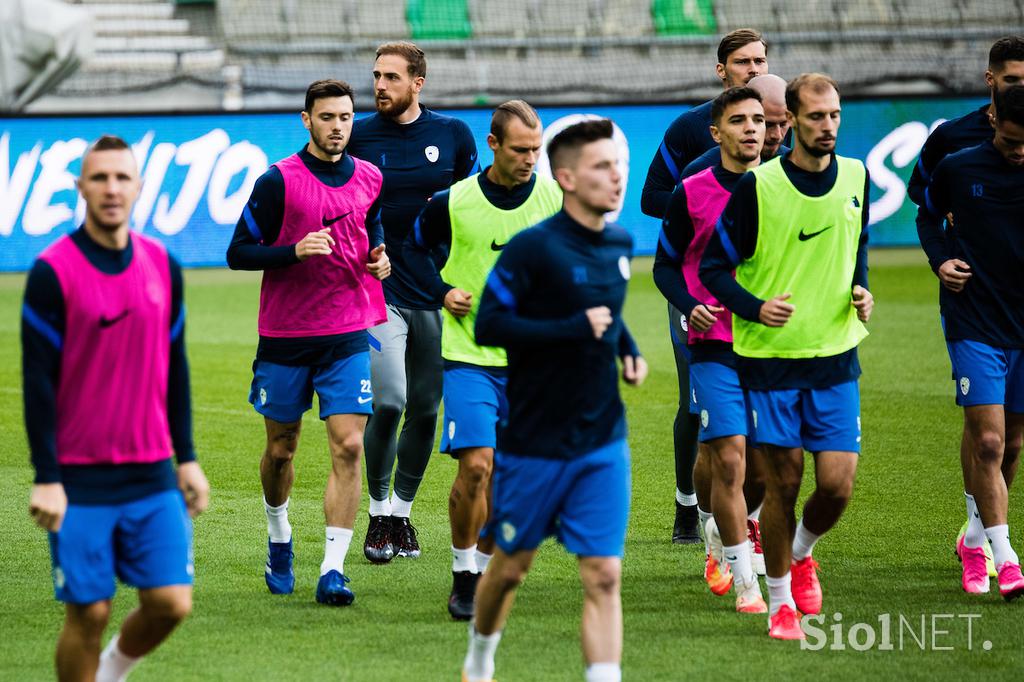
[433,230]
[563,389]
[417,159]
[686,138]
[42,330]
[739,223]
[949,137]
[251,249]
[985,194]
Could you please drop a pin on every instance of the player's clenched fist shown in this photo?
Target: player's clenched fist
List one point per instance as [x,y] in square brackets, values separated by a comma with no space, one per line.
[47,505]
[775,312]
[954,274]
[379,264]
[864,302]
[703,316]
[600,319]
[458,302]
[317,243]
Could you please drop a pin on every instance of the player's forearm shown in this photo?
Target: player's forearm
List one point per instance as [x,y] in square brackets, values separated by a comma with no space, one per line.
[504,328]
[423,268]
[670,282]
[179,404]
[627,344]
[932,237]
[716,273]
[40,372]
[245,253]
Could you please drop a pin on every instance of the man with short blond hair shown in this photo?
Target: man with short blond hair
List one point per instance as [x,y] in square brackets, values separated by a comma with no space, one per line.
[107,405]
[474,220]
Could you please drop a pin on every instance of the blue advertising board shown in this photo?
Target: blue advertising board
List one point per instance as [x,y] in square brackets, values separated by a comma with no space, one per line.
[198,170]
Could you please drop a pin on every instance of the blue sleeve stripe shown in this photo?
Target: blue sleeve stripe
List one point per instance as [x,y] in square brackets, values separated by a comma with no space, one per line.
[418,232]
[36,321]
[250,222]
[928,202]
[925,175]
[663,240]
[374,343]
[495,284]
[179,325]
[730,250]
[669,162]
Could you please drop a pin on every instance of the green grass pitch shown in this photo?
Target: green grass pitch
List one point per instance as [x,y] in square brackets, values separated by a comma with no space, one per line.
[889,558]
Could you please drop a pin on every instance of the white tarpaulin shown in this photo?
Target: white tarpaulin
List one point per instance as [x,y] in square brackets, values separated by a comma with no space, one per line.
[42,42]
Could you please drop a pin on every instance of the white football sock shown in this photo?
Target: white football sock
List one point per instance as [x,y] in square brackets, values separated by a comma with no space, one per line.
[278,527]
[999,538]
[803,542]
[780,591]
[604,672]
[686,499]
[974,536]
[738,557]
[479,663]
[380,507]
[115,664]
[464,559]
[481,560]
[704,516]
[336,544]
[400,507]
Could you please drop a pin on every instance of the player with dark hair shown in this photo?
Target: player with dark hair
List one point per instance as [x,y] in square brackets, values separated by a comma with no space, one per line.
[1005,70]
[795,234]
[554,302]
[312,225]
[979,260]
[107,404]
[419,152]
[742,55]
[474,220]
[738,125]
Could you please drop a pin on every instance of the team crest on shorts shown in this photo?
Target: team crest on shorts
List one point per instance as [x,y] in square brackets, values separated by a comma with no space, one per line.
[624,267]
[432,153]
[704,418]
[965,385]
[682,323]
[451,430]
[753,413]
[263,396]
[58,577]
[508,531]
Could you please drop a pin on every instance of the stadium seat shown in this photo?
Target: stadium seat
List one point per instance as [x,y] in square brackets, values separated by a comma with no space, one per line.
[577,18]
[734,14]
[249,21]
[867,14]
[684,17]
[626,18]
[438,19]
[499,18]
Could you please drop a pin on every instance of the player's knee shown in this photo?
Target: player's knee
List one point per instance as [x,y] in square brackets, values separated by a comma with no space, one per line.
[989,446]
[173,605]
[729,468]
[837,489]
[281,448]
[475,471]
[511,576]
[347,446]
[603,579]
[388,409]
[89,620]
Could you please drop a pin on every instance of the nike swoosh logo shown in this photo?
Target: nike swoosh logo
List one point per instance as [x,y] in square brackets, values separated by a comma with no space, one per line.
[111,321]
[363,401]
[804,236]
[330,221]
[495,246]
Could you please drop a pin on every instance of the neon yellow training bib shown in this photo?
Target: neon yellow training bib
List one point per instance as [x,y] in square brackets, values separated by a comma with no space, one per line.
[479,231]
[806,246]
